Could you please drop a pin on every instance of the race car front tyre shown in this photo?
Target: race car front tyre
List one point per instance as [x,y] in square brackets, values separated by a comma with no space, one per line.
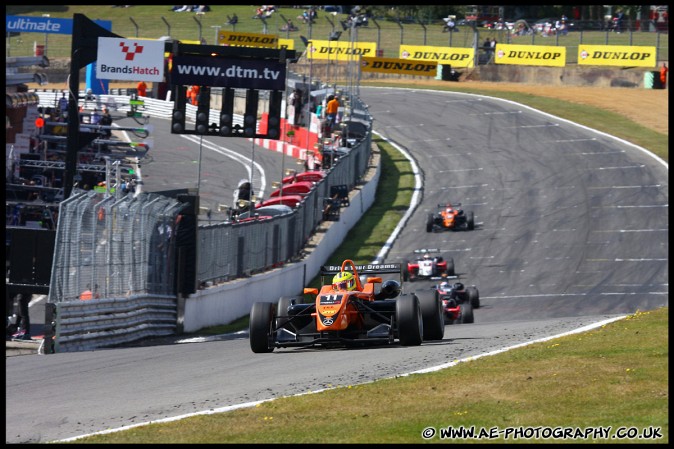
[473,297]
[260,327]
[433,316]
[470,220]
[410,321]
[282,311]
[466,313]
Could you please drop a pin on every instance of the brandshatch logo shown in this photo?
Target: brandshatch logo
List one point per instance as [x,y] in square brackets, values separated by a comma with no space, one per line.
[137,49]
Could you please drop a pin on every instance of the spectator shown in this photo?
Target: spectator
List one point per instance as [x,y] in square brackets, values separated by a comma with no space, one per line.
[63,105]
[194,95]
[289,26]
[95,117]
[106,120]
[232,20]
[331,110]
[663,75]
[23,318]
[141,88]
[450,24]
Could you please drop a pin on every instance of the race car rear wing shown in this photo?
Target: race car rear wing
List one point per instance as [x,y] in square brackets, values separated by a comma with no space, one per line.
[426,250]
[363,269]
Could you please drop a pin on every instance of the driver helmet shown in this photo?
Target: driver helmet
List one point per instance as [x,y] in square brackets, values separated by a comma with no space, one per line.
[458,286]
[344,281]
[427,256]
[444,286]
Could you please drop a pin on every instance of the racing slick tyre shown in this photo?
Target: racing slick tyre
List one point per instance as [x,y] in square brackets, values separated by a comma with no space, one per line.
[473,297]
[470,220]
[429,223]
[406,270]
[410,321]
[260,327]
[282,311]
[433,317]
[466,313]
[450,266]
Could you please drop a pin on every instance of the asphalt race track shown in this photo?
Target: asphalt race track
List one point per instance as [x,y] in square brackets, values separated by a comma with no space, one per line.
[571,229]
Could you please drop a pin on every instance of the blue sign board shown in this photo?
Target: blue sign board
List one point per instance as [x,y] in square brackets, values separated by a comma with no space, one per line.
[32,24]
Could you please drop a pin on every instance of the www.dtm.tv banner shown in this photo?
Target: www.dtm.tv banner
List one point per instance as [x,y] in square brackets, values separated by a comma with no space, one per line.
[229,72]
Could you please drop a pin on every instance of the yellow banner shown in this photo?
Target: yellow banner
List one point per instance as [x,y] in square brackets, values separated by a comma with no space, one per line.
[530,55]
[340,51]
[399,66]
[247,39]
[287,43]
[456,57]
[617,55]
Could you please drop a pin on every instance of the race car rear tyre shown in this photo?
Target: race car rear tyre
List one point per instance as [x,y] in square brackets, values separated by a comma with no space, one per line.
[429,223]
[260,328]
[282,311]
[410,321]
[450,266]
[466,313]
[433,317]
[406,270]
[473,297]
[470,220]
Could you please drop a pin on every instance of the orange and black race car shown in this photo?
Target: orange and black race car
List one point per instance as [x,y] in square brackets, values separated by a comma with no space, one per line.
[450,217]
[348,312]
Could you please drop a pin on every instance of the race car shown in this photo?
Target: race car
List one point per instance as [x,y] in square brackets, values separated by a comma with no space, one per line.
[450,217]
[458,302]
[427,266]
[460,292]
[352,313]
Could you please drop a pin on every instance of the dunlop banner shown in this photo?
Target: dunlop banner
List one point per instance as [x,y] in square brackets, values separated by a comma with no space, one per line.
[340,51]
[616,55]
[286,43]
[456,57]
[399,66]
[247,39]
[530,55]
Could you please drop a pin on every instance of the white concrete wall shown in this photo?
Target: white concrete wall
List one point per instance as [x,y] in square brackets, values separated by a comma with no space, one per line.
[225,303]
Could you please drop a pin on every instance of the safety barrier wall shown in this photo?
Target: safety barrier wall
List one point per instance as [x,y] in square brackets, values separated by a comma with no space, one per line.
[87,325]
[226,251]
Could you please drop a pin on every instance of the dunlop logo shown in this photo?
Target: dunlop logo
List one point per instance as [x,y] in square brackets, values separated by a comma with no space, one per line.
[620,55]
[533,54]
[251,40]
[406,66]
[345,51]
[440,56]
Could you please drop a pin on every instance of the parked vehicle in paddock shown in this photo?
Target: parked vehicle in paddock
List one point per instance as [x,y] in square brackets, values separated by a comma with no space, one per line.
[291,201]
[425,265]
[450,217]
[301,188]
[267,211]
[310,176]
[348,312]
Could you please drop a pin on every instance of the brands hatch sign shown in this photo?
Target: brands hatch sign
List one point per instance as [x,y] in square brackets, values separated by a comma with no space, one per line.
[130,59]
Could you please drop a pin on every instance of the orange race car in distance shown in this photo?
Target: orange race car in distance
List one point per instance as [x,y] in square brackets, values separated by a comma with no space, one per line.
[450,217]
[348,312]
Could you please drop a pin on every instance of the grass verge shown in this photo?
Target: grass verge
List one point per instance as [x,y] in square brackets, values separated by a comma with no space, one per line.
[612,379]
